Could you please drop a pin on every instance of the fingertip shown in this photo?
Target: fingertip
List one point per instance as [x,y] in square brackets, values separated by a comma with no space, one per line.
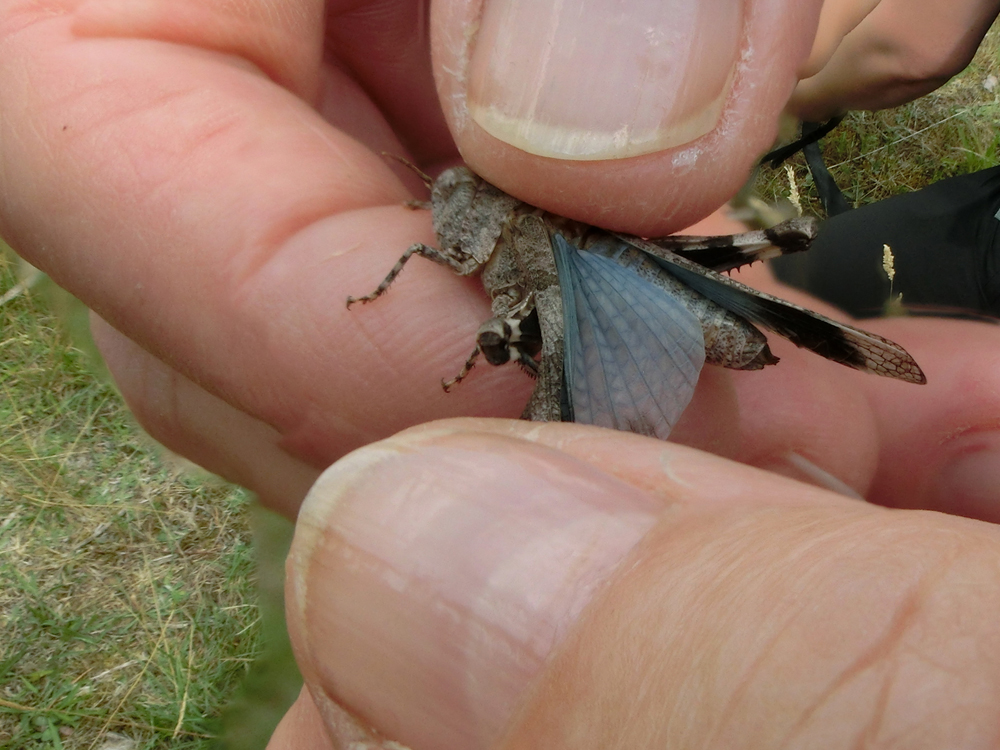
[937,441]
[432,573]
[205,429]
[652,192]
[968,483]
[302,727]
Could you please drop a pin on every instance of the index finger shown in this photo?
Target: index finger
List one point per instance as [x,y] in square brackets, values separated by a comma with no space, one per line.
[217,219]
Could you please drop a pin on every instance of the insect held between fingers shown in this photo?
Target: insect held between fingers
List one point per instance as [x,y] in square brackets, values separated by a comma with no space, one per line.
[615,328]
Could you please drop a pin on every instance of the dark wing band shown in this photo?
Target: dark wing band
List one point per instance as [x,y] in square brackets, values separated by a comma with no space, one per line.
[838,342]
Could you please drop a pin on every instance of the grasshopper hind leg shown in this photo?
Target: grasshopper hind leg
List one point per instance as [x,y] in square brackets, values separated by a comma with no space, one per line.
[546,402]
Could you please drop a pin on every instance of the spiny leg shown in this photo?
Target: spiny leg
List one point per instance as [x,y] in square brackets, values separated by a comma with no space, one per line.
[525,361]
[466,369]
[545,404]
[523,358]
[431,253]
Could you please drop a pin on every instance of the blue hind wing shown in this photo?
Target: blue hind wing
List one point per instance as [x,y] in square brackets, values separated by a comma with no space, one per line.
[633,353]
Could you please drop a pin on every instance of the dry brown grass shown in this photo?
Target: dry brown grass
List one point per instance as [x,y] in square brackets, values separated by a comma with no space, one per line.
[126,598]
[874,155]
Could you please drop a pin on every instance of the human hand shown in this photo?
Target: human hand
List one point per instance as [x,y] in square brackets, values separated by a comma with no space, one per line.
[876,54]
[483,583]
[207,179]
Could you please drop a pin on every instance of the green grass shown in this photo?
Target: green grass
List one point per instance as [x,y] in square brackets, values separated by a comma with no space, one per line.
[127,602]
[874,155]
[126,579]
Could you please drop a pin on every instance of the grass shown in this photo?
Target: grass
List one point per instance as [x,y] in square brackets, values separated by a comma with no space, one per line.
[126,579]
[127,600]
[874,155]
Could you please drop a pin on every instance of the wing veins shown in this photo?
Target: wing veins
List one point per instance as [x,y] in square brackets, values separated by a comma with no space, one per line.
[614,308]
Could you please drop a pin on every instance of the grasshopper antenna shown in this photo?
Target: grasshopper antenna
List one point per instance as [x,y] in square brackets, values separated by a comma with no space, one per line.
[411,166]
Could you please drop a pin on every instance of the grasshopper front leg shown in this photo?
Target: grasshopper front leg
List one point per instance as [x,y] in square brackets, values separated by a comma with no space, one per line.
[461,263]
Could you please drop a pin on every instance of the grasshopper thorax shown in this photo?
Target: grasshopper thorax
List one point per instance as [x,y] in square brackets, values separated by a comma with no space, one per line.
[453,196]
[469,214]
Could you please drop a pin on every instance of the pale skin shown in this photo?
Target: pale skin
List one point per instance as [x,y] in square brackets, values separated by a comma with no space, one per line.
[888,55]
[209,182]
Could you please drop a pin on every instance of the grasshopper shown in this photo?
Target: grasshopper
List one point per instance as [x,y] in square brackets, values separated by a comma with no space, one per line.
[616,328]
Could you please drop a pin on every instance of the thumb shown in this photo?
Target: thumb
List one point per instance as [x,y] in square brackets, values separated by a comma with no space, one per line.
[641,116]
[475,584]
[431,575]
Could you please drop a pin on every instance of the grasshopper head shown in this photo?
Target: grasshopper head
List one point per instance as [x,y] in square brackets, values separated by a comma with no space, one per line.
[453,197]
[469,214]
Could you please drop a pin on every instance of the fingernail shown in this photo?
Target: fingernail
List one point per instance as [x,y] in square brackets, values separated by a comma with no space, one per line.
[602,79]
[969,484]
[431,581]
